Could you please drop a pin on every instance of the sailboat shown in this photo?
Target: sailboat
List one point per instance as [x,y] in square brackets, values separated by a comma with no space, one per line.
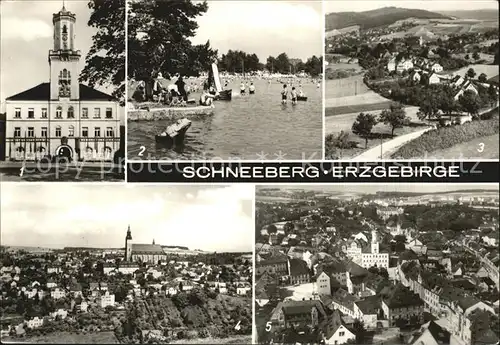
[224,95]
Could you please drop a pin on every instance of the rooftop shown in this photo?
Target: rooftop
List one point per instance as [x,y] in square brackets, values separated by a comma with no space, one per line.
[41,92]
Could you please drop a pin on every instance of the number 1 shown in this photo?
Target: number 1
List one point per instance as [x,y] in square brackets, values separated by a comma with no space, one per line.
[22,172]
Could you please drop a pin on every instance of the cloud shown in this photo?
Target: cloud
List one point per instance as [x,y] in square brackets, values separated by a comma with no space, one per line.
[26,29]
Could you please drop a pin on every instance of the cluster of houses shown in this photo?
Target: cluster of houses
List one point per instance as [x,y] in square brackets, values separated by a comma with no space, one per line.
[456,285]
[60,284]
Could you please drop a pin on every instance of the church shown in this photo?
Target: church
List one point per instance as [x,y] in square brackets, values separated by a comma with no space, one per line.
[62,117]
[150,253]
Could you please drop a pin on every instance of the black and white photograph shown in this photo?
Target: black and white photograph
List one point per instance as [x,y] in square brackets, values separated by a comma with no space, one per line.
[238,80]
[411,80]
[115,264]
[62,86]
[377,264]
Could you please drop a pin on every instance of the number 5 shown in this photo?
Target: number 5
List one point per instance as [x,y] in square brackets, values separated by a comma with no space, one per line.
[481,147]
[268,326]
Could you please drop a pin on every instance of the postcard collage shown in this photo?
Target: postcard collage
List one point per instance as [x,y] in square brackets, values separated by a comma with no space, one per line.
[100,245]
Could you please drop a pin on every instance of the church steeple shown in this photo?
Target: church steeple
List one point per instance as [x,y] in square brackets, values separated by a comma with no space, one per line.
[153,241]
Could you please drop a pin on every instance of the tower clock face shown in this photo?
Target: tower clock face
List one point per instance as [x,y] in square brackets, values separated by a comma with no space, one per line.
[65,37]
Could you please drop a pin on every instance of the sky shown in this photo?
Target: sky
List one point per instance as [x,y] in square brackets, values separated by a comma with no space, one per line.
[263,27]
[429,5]
[211,218]
[27,35]
[392,187]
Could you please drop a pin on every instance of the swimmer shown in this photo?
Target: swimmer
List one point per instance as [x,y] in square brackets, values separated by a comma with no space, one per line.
[284,94]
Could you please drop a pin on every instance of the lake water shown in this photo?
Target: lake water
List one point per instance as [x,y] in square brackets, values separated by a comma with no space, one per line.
[250,127]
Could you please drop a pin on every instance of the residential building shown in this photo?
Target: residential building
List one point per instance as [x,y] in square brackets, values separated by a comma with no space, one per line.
[402,307]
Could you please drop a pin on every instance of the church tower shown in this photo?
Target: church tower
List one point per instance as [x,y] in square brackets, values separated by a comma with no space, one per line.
[153,241]
[374,244]
[64,58]
[128,246]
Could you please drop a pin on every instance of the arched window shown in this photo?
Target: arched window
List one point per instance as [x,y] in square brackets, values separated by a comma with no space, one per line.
[71,131]
[71,113]
[64,83]
[64,29]
[59,112]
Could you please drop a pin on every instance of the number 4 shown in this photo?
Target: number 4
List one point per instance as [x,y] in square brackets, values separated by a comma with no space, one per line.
[481,147]
[268,326]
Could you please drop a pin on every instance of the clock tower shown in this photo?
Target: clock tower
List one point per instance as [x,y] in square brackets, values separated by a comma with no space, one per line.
[63,58]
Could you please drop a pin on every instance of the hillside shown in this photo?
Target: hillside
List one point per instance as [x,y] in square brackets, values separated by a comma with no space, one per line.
[478,14]
[376,18]
[190,315]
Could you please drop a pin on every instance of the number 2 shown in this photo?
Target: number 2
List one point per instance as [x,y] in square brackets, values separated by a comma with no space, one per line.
[268,326]
[481,147]
[141,151]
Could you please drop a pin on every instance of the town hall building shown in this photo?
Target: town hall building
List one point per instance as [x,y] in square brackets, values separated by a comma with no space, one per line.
[62,117]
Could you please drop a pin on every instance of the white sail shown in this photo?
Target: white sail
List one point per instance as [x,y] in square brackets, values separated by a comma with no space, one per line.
[215,70]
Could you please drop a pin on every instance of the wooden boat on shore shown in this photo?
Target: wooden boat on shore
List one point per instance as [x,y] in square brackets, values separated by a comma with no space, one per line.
[174,134]
[302,98]
[224,95]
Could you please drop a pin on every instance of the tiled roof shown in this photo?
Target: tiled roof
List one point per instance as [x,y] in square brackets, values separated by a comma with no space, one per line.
[41,92]
[147,248]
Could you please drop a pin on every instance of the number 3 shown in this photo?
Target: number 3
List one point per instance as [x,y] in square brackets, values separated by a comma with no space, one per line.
[142,149]
[268,326]
[481,147]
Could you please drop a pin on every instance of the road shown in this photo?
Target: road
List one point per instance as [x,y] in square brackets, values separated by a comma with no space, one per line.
[389,147]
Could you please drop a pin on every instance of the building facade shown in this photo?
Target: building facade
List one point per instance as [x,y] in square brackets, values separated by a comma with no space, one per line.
[62,117]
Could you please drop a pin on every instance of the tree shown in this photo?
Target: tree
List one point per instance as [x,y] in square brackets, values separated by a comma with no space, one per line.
[470,102]
[363,126]
[158,39]
[482,78]
[272,229]
[395,117]
[429,107]
[359,331]
[105,61]
[493,95]
[476,56]
[314,66]
[471,73]
[288,227]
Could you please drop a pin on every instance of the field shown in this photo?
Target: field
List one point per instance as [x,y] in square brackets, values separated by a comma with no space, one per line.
[344,66]
[70,338]
[345,87]
[490,70]
[351,95]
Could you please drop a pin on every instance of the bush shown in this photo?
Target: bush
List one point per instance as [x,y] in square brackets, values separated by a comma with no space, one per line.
[447,137]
